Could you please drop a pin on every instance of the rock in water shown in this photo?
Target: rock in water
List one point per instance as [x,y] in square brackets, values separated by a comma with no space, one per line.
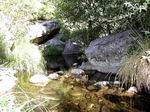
[132,90]
[39,80]
[53,76]
[77,72]
[107,53]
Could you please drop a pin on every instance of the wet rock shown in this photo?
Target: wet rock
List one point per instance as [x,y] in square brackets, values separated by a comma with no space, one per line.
[43,31]
[107,53]
[77,72]
[53,76]
[39,79]
[71,48]
[132,90]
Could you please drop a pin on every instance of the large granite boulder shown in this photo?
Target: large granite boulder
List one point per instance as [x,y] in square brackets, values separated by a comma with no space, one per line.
[107,53]
[43,31]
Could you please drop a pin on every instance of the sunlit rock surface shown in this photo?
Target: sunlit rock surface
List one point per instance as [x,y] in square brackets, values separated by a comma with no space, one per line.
[41,32]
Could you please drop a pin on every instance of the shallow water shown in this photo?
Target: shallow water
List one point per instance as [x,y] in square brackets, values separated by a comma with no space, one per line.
[69,94]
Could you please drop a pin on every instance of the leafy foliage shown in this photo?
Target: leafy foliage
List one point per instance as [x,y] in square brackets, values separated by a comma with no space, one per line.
[94,17]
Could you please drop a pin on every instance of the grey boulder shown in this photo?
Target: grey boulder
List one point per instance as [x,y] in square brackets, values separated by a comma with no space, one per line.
[106,54]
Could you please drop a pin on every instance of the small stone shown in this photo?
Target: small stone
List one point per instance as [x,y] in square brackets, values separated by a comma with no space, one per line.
[75,64]
[77,72]
[132,90]
[39,79]
[53,76]
[117,83]
[101,83]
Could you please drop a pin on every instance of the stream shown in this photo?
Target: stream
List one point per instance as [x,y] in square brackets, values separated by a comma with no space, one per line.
[70,94]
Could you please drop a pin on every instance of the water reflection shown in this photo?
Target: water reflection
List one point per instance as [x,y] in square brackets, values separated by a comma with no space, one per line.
[62,61]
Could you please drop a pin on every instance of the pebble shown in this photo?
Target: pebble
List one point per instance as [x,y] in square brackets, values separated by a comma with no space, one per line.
[117,83]
[77,72]
[132,90]
[53,76]
[101,83]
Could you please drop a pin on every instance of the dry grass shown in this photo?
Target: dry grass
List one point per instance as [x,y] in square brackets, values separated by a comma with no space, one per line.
[136,71]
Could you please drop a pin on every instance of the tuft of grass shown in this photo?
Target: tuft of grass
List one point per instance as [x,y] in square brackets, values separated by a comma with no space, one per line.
[135,70]
[26,57]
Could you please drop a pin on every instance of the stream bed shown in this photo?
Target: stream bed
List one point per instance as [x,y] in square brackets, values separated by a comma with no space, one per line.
[69,94]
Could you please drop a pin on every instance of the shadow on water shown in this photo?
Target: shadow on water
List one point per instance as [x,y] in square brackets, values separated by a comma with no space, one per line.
[140,103]
[58,62]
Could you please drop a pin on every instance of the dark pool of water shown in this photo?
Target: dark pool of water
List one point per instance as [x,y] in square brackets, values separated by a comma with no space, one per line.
[58,62]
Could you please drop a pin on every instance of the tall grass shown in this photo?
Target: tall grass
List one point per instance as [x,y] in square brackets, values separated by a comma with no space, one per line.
[135,70]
